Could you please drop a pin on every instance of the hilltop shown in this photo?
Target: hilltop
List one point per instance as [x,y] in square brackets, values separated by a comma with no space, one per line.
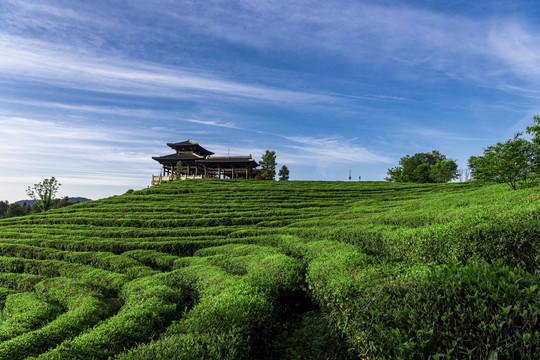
[261,269]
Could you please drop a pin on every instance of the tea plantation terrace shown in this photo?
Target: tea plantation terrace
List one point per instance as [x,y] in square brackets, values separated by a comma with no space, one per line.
[236,269]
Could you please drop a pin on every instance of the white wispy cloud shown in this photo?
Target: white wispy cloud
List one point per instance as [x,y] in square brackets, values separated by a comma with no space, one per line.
[29,144]
[217,123]
[518,47]
[31,60]
[87,159]
[93,109]
[331,150]
[439,134]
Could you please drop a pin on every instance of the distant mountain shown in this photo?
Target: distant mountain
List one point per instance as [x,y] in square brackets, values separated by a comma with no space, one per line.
[72,199]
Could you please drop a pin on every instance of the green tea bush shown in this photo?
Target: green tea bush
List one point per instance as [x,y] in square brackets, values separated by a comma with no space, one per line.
[454,311]
[20,282]
[24,312]
[4,293]
[84,306]
[517,245]
[190,346]
[154,259]
[218,327]
[149,306]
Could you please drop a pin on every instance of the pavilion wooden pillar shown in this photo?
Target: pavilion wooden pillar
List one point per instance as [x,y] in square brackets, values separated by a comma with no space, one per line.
[232,172]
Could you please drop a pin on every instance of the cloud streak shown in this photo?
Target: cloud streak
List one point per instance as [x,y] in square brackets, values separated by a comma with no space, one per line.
[229,125]
[87,160]
[37,61]
[29,144]
[331,150]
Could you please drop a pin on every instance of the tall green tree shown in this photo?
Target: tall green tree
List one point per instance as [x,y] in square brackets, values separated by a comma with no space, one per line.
[15,210]
[511,162]
[268,165]
[43,193]
[534,130]
[429,167]
[283,173]
[4,205]
[444,171]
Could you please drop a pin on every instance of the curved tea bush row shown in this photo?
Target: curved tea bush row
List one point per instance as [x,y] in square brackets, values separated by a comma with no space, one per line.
[84,307]
[19,282]
[24,312]
[149,305]
[231,308]
[103,260]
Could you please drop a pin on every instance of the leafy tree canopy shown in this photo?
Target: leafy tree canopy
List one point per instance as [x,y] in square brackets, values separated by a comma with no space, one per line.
[268,165]
[4,205]
[431,167]
[15,210]
[43,193]
[283,173]
[534,130]
[511,162]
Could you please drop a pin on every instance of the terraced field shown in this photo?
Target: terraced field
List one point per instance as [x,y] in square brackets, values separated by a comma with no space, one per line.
[253,269]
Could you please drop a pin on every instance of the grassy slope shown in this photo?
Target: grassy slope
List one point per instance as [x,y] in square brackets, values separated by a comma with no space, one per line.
[223,269]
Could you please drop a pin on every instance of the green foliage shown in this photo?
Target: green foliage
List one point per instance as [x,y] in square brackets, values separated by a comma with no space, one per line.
[16,210]
[516,245]
[84,307]
[430,167]
[268,165]
[453,311]
[24,312]
[534,130]
[444,171]
[13,210]
[511,162]
[43,193]
[226,270]
[4,205]
[283,173]
[149,305]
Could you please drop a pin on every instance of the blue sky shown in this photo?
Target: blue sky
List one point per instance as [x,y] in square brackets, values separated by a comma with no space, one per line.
[91,90]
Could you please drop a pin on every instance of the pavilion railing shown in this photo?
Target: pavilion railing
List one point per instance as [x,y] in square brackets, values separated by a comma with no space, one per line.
[158,179]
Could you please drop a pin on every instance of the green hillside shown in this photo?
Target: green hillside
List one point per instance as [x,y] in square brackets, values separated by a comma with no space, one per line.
[230,269]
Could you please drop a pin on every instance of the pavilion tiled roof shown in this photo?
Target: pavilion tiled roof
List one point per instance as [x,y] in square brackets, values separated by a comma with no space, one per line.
[189,145]
[228,160]
[177,157]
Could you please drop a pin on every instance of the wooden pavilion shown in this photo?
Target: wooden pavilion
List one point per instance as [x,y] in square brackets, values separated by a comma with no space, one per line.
[197,162]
